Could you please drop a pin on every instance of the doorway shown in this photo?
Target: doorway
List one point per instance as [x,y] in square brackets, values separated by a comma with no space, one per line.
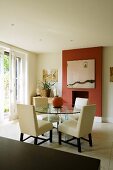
[11,84]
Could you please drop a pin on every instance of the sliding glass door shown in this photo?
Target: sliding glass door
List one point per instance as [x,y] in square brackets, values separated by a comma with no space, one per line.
[11,83]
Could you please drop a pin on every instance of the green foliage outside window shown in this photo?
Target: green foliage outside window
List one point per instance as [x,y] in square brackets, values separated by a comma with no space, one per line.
[6,83]
[6,63]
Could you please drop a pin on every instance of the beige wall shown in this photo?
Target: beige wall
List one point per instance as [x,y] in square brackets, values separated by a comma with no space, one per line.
[50,61]
[54,60]
[107,86]
[31,76]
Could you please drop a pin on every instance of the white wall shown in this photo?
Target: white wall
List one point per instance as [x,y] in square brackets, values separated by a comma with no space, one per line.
[31,76]
[50,61]
[54,60]
[107,86]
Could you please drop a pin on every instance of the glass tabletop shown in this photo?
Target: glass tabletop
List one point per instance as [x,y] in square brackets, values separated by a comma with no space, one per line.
[54,110]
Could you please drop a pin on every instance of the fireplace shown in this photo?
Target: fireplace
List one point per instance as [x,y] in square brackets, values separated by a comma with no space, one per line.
[82,94]
[94,94]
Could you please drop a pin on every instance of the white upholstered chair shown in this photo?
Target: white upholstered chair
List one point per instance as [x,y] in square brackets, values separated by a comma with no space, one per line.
[31,126]
[79,128]
[79,103]
[42,103]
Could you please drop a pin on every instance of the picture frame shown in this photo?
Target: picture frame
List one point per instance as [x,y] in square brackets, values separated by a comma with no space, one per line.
[81,73]
[111,74]
[50,75]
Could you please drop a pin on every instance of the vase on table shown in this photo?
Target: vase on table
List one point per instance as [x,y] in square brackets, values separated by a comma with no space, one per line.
[58,102]
[45,92]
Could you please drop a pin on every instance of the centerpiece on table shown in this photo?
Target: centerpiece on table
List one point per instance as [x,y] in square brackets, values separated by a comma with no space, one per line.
[57,102]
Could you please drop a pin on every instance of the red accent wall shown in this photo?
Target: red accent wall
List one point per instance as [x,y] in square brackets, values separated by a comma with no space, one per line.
[95,94]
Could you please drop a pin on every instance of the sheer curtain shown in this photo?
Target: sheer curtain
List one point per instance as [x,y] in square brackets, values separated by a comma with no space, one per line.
[1,85]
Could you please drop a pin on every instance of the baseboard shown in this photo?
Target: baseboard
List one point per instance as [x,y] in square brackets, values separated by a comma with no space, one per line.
[98,119]
[107,119]
[103,119]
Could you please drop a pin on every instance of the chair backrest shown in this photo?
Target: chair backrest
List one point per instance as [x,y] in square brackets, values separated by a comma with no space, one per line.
[85,121]
[41,102]
[80,102]
[27,119]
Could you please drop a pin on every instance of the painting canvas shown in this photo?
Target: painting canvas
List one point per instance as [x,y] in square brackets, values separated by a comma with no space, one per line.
[81,74]
[111,74]
[50,75]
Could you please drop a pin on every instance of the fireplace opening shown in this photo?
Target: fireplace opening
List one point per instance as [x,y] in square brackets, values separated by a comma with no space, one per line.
[81,94]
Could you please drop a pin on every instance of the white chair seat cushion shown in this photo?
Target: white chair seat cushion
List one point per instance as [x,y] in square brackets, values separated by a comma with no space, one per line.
[68,127]
[44,126]
[74,116]
[42,117]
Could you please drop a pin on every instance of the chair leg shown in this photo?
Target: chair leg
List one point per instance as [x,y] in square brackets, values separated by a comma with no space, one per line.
[21,136]
[57,125]
[59,137]
[90,139]
[51,136]
[79,144]
[35,140]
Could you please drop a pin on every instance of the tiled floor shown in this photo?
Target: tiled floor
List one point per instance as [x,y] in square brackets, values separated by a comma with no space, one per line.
[102,142]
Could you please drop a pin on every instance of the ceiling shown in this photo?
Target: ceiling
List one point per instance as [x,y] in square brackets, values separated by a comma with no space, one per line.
[44,26]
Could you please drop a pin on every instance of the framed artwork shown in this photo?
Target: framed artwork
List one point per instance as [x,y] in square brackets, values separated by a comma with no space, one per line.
[111,74]
[50,75]
[81,74]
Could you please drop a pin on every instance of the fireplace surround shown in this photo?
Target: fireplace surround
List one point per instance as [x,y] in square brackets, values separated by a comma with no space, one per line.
[94,94]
